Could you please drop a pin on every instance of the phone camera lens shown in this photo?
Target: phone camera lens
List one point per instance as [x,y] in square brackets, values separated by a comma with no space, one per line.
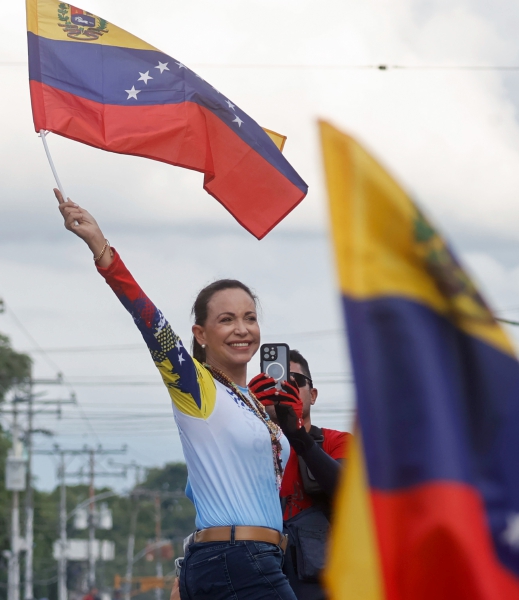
[276,371]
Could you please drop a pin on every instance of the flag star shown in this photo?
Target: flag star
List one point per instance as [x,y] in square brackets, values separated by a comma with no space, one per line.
[231,105]
[144,77]
[511,534]
[178,345]
[162,66]
[181,359]
[132,93]
[238,120]
[181,66]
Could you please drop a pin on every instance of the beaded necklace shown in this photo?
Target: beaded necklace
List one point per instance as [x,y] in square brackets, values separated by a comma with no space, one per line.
[259,410]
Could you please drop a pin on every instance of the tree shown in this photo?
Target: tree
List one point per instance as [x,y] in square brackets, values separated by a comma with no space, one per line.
[14,366]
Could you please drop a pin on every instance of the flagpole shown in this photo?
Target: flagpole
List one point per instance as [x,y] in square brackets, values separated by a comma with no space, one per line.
[43,133]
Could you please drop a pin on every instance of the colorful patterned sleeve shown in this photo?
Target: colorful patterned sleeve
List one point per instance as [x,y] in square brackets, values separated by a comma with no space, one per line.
[190,385]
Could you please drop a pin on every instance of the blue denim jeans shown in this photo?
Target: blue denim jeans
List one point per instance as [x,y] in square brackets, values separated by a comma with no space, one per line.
[234,571]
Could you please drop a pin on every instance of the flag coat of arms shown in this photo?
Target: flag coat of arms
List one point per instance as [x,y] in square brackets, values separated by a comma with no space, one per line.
[429,507]
[95,83]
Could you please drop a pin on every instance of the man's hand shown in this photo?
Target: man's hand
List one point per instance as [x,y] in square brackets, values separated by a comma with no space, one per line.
[286,401]
[289,409]
[289,406]
[263,387]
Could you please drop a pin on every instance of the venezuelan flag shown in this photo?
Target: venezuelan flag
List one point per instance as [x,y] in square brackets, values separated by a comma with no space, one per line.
[95,83]
[429,506]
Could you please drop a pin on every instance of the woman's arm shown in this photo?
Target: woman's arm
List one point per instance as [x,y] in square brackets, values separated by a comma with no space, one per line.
[190,386]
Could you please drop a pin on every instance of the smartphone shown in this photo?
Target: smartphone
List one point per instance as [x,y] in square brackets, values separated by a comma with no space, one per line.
[275,362]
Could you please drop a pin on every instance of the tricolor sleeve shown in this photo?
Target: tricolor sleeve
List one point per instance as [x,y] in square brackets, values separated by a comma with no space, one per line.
[189,383]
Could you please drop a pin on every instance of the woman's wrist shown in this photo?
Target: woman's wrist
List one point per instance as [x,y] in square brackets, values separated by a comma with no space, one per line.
[97,243]
[100,248]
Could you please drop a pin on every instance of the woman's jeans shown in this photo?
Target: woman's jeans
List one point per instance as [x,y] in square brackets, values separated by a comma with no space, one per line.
[234,571]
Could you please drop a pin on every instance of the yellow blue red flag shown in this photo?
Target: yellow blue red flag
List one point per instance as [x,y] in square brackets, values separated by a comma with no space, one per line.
[95,83]
[429,507]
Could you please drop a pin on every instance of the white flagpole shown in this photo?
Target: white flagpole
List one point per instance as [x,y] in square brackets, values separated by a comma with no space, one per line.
[43,133]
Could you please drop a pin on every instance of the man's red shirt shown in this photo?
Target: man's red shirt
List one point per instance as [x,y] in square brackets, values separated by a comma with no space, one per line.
[335,445]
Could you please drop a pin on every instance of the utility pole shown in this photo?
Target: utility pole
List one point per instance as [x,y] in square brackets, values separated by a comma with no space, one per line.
[131,547]
[91,524]
[134,500]
[17,480]
[13,585]
[158,538]
[91,505]
[62,564]
[29,502]
[29,505]
[62,560]
[131,559]
[26,396]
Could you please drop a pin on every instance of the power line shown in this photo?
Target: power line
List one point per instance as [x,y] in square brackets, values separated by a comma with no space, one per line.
[23,329]
[377,67]
[341,67]
[142,346]
[158,383]
[103,348]
[51,363]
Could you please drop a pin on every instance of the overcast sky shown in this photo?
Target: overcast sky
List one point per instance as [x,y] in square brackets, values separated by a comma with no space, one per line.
[450,136]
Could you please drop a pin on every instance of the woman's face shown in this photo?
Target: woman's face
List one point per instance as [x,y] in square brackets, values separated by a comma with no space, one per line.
[231,332]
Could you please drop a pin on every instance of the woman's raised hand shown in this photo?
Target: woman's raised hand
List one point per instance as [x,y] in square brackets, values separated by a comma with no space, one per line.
[83,224]
[78,220]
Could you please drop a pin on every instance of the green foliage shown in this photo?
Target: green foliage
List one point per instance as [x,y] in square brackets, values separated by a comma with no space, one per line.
[171,478]
[178,513]
[14,366]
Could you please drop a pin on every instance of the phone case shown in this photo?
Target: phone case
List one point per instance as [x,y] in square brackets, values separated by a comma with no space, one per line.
[275,362]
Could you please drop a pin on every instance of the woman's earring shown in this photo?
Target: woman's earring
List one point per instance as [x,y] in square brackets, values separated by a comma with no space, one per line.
[203,346]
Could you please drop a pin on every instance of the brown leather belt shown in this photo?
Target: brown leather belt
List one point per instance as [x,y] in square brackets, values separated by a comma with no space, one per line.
[242,533]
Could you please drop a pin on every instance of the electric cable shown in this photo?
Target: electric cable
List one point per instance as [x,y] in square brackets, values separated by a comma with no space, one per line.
[342,67]
[142,346]
[52,364]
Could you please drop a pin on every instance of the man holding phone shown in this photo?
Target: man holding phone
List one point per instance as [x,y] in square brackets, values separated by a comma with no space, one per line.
[306,498]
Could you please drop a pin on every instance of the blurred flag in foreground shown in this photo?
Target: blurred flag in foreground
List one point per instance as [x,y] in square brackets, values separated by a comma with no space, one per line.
[429,508]
[95,83]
